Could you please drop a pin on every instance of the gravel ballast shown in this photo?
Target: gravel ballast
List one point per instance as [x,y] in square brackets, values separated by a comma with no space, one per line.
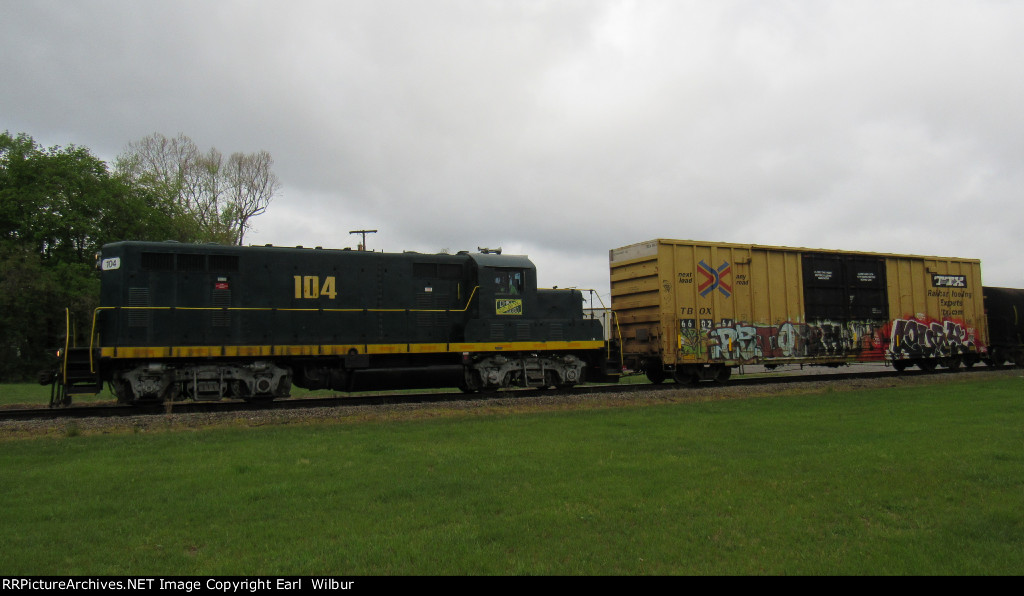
[501,405]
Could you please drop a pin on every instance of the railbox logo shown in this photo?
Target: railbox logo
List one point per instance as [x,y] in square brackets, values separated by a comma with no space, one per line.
[949,281]
[713,279]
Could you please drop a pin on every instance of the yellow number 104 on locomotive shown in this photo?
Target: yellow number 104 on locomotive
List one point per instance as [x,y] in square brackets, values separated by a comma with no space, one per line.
[309,287]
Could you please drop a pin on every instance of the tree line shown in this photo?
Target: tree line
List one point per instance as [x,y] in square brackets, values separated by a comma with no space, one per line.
[60,205]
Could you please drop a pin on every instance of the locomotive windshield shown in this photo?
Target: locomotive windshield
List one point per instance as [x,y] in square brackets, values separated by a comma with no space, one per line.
[508,281]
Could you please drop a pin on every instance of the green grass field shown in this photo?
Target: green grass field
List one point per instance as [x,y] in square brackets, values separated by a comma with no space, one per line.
[917,480]
[39,395]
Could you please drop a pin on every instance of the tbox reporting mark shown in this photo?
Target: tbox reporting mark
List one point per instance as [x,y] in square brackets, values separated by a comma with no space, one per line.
[714,279]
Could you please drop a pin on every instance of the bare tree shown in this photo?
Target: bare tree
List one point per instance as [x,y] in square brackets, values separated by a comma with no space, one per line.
[251,186]
[220,197]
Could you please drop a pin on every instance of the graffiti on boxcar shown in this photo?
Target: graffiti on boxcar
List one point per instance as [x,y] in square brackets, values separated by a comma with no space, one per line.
[915,338]
[746,342]
[735,342]
[867,340]
[691,341]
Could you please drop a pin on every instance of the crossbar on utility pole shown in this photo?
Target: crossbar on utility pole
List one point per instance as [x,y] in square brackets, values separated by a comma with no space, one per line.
[364,233]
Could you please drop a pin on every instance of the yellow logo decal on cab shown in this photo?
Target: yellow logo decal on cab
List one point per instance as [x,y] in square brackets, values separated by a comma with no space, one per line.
[509,306]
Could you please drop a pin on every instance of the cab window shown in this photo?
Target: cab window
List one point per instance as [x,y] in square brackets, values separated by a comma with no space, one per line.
[508,281]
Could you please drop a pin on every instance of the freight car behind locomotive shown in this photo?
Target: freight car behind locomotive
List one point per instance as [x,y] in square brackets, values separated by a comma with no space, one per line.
[1004,308]
[696,310]
[206,322]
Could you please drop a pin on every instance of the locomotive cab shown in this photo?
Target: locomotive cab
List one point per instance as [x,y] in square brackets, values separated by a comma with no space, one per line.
[527,337]
[507,290]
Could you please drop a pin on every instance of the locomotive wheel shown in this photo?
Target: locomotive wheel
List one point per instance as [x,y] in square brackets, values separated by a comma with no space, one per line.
[122,390]
[927,364]
[471,382]
[899,365]
[582,377]
[723,374]
[552,381]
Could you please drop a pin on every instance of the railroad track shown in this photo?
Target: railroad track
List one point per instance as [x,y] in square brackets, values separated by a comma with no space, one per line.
[190,407]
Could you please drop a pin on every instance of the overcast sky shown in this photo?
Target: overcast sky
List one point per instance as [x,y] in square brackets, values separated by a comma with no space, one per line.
[562,128]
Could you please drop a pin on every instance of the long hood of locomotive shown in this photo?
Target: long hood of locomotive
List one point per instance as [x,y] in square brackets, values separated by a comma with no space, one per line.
[166,300]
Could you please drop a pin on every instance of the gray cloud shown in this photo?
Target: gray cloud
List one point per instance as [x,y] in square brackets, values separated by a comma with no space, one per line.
[563,129]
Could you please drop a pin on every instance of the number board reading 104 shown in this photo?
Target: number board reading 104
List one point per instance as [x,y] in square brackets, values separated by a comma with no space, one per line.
[311,287]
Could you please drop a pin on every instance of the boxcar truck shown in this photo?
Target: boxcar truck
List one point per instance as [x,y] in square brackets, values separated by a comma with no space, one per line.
[696,310]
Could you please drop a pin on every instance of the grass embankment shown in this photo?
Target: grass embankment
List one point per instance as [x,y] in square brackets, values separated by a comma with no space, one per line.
[33,394]
[914,480]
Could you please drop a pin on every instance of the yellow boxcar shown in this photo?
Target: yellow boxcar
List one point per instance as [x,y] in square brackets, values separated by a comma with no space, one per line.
[695,310]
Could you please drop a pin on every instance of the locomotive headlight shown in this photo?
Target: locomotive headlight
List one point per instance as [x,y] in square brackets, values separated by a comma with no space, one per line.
[99,259]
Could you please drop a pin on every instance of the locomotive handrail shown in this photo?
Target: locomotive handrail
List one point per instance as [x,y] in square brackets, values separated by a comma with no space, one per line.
[67,340]
[618,332]
[614,318]
[92,335]
[96,312]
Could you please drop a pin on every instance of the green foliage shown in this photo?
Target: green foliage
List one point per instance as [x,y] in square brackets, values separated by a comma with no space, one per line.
[58,206]
[32,302]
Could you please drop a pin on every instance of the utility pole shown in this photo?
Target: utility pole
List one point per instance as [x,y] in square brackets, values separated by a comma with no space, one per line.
[364,233]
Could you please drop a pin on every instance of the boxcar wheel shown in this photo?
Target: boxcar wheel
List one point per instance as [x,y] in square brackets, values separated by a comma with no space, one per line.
[655,375]
[684,376]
